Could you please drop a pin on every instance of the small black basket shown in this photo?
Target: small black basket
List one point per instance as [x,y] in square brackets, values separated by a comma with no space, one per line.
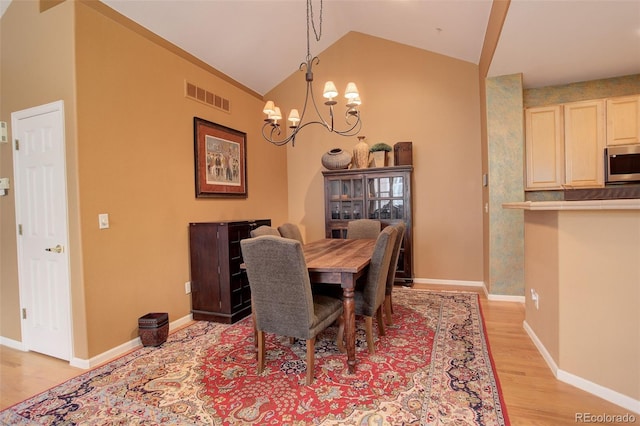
[153,328]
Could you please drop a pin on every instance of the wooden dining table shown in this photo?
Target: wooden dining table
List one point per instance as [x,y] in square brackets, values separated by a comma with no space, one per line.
[341,262]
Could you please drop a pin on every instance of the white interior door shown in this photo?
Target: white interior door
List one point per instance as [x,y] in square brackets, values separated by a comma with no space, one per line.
[41,212]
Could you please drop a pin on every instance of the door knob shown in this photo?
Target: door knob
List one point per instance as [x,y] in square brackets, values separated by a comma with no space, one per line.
[57,249]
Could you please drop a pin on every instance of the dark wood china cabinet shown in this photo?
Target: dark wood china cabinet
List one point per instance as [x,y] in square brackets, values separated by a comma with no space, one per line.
[382,193]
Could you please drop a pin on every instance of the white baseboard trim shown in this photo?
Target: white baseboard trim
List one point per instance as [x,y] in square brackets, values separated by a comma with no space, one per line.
[490,296]
[505,298]
[105,356]
[10,343]
[543,351]
[448,282]
[605,393]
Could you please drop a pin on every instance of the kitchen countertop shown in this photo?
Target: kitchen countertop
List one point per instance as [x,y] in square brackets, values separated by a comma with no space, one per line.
[621,204]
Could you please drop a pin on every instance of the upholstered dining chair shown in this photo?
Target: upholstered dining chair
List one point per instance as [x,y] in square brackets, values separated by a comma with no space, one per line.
[281,295]
[393,266]
[264,230]
[363,228]
[370,298]
[291,230]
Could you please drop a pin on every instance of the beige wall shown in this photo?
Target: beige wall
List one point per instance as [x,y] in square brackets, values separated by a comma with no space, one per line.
[134,159]
[541,271]
[585,267]
[413,95]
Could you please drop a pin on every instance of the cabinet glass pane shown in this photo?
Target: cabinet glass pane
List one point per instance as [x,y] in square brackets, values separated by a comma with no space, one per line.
[335,210]
[397,187]
[335,189]
[398,210]
[346,189]
[357,210]
[357,188]
[346,210]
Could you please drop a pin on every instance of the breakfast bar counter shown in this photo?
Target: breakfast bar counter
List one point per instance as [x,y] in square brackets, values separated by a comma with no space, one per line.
[620,204]
[582,292]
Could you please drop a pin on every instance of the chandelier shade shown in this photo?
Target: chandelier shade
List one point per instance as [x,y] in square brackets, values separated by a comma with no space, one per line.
[271,130]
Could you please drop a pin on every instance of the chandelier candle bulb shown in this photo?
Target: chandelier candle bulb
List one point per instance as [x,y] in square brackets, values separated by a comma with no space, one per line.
[330,90]
[294,117]
[352,91]
[269,108]
[277,115]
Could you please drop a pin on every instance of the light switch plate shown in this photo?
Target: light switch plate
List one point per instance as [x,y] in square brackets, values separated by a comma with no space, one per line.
[3,132]
[103,220]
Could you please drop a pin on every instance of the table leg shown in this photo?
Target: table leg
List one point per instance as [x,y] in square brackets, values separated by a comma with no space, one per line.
[350,327]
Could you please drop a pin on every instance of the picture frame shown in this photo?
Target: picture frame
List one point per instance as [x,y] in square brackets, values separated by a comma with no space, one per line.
[220,160]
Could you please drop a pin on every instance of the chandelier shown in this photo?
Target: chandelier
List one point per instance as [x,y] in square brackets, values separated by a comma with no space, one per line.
[271,130]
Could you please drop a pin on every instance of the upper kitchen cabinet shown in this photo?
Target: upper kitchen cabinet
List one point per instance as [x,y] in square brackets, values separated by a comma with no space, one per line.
[623,120]
[564,146]
[584,140]
[544,148]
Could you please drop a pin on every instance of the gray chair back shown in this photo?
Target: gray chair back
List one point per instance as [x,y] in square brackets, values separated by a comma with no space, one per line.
[264,230]
[374,289]
[290,230]
[280,287]
[363,228]
[393,266]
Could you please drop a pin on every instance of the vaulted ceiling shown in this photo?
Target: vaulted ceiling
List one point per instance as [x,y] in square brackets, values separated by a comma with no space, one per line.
[260,42]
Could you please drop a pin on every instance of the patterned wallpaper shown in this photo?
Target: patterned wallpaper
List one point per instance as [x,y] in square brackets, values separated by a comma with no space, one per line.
[505,135]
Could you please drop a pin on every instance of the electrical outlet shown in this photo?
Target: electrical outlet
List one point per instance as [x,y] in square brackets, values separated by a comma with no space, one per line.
[187,287]
[535,298]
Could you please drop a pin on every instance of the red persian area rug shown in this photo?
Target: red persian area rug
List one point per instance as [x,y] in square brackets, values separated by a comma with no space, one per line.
[432,367]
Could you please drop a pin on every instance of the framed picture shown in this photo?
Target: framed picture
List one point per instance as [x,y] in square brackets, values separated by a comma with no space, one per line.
[220,160]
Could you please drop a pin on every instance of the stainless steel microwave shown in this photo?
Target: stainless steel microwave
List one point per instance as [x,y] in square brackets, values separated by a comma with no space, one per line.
[622,163]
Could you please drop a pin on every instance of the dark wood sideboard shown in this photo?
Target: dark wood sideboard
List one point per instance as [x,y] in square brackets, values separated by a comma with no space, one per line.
[219,287]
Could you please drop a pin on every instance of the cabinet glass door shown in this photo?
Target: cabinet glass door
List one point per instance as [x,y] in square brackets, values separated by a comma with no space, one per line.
[346,198]
[386,196]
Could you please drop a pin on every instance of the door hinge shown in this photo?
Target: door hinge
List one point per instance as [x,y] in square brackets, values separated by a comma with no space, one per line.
[20,229]
[17,143]
[24,313]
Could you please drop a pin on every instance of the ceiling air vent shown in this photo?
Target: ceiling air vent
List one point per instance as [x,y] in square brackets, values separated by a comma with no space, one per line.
[199,94]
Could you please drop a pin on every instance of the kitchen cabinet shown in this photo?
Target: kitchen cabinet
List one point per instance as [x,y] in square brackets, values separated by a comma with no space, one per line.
[564,146]
[219,287]
[623,120]
[544,148]
[584,142]
[382,193]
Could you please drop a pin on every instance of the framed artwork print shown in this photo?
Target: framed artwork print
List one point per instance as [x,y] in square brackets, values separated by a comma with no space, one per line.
[220,160]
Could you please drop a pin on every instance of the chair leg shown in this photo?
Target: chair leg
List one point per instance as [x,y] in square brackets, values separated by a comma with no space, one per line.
[381,331]
[388,309]
[261,351]
[311,343]
[368,326]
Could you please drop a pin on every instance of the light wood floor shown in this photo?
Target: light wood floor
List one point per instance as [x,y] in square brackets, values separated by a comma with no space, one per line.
[532,394]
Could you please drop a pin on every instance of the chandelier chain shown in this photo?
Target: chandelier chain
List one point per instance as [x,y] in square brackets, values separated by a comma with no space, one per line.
[271,129]
[311,19]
